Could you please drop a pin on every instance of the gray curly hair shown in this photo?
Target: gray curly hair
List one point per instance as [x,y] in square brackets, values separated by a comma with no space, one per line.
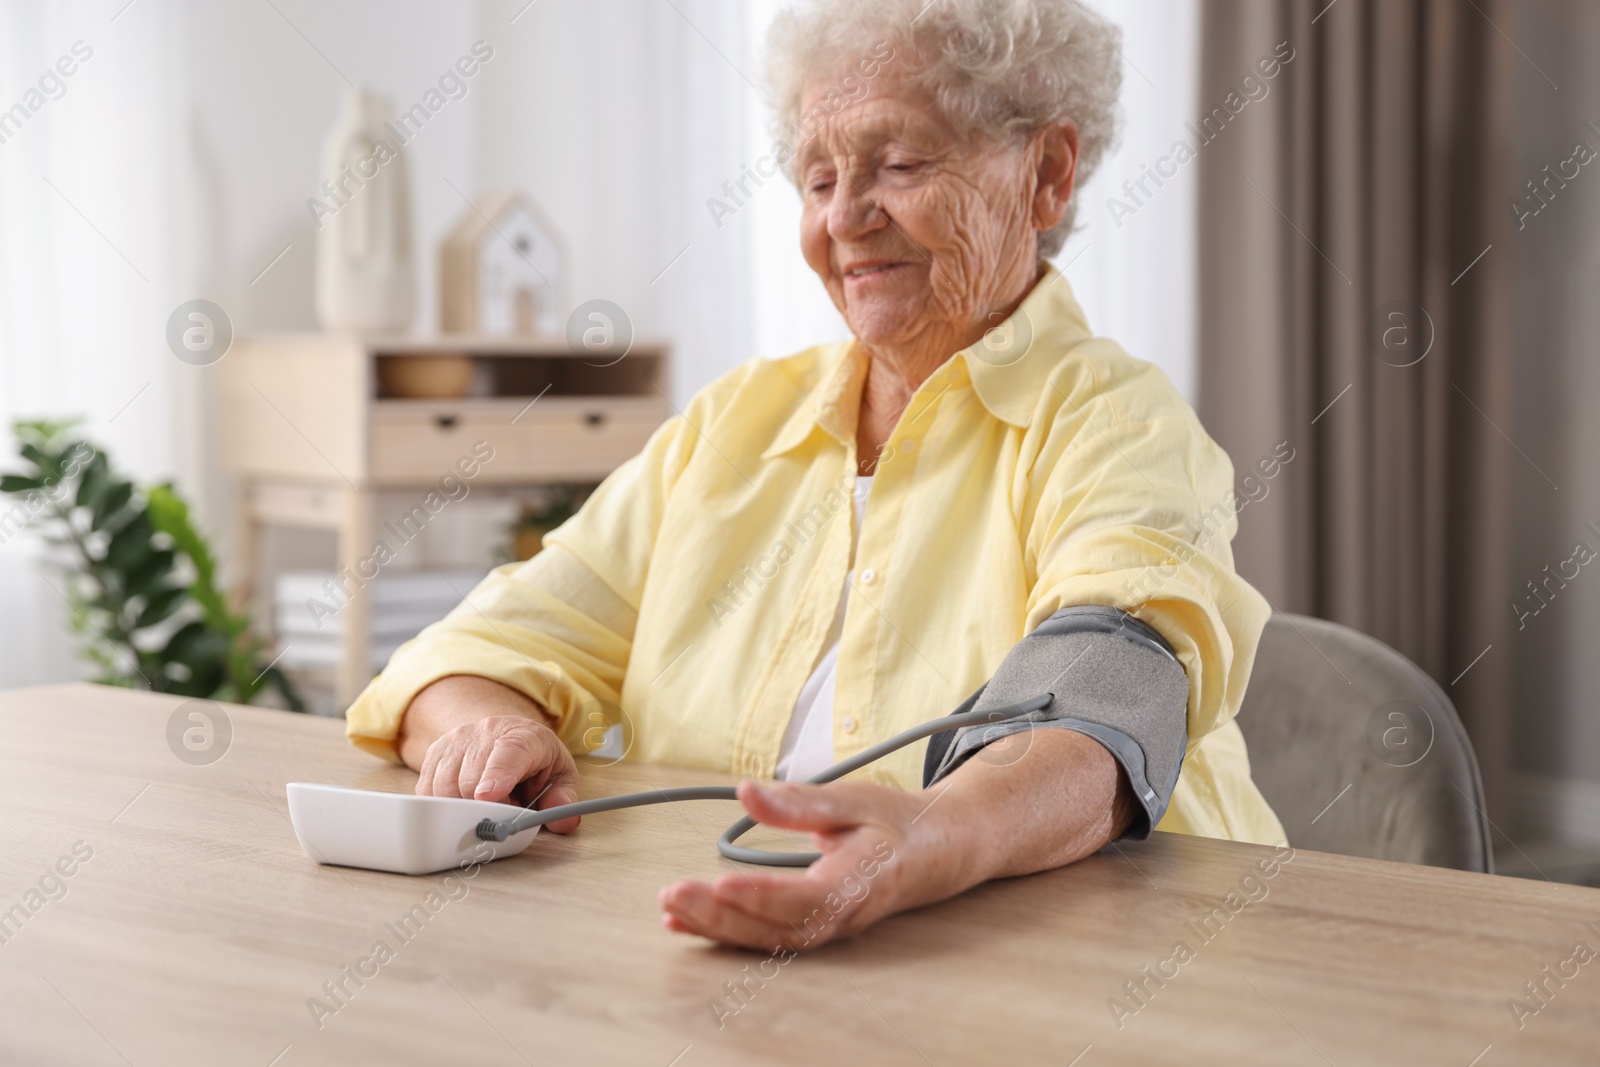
[996,68]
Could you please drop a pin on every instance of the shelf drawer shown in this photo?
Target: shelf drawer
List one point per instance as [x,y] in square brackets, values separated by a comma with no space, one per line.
[554,439]
[298,504]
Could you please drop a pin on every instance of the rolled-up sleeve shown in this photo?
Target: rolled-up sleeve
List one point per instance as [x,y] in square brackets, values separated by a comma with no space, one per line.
[1135,509]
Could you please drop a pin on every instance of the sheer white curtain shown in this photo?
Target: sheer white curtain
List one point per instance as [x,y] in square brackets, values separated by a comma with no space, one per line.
[91,215]
[1136,280]
[622,118]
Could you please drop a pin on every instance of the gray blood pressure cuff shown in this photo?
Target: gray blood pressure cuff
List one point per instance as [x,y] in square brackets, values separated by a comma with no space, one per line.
[1113,678]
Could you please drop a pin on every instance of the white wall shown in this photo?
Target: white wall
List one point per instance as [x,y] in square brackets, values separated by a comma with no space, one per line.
[261,100]
[620,118]
[1136,280]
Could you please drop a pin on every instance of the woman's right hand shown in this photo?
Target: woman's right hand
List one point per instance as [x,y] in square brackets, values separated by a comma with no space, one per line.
[505,758]
[489,742]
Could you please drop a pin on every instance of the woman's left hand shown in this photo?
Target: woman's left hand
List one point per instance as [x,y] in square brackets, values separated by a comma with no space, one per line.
[883,851]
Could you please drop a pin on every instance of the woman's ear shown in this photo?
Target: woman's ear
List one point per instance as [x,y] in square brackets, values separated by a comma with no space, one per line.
[1057,155]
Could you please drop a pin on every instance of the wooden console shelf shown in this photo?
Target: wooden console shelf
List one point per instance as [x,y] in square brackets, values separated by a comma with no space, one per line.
[310,433]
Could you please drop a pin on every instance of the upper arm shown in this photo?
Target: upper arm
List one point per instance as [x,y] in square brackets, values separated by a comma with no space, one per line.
[1129,504]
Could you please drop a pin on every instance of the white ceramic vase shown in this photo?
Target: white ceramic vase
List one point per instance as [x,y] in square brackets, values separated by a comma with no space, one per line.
[363,217]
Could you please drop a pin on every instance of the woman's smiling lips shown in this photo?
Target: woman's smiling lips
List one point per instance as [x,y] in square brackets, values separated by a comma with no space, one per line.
[867,270]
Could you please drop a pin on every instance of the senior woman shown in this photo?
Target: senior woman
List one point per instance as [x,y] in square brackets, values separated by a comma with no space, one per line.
[1011,475]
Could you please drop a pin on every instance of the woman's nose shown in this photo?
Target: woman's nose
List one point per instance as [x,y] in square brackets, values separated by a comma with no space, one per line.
[852,213]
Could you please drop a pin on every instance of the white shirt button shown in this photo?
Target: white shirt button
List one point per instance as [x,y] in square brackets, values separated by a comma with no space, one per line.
[849,725]
[869,576]
[908,446]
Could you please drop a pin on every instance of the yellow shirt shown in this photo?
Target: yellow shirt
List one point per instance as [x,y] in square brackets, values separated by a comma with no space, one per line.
[697,585]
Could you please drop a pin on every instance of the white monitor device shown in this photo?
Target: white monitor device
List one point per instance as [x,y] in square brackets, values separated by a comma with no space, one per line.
[399,832]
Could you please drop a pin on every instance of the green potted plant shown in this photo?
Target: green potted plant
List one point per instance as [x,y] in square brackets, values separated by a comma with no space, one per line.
[139,577]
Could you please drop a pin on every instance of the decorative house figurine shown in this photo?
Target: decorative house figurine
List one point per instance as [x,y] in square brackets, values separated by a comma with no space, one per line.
[501,269]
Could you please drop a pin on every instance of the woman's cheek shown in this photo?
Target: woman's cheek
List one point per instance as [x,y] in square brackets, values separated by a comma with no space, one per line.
[960,252]
[813,242]
[814,247]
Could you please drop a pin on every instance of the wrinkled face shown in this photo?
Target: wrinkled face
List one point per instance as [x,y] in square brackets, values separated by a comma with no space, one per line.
[918,233]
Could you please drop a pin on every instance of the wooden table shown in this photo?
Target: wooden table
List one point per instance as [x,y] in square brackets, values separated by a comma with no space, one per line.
[197,932]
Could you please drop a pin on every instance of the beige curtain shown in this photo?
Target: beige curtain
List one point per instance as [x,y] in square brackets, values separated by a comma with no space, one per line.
[1349,307]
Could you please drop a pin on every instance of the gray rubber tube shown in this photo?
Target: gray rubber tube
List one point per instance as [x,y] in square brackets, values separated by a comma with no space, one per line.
[490,830]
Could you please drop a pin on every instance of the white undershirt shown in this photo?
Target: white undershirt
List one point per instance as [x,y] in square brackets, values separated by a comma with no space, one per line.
[808,742]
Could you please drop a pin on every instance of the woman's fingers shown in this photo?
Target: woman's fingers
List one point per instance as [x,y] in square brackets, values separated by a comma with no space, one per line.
[859,878]
[447,772]
[796,806]
[504,762]
[772,898]
[764,911]
[830,899]
[694,906]
[497,757]
[560,784]
[425,774]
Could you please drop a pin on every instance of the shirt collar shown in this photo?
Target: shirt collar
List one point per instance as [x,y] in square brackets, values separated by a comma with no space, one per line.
[1007,367]
[833,402]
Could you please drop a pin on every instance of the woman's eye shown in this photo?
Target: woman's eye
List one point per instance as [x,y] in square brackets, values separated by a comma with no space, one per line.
[902,168]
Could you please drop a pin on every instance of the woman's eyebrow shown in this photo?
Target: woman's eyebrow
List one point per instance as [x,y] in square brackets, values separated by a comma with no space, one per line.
[866,140]
[811,149]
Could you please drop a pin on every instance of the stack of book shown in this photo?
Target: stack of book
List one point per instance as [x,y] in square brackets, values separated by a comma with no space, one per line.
[311,608]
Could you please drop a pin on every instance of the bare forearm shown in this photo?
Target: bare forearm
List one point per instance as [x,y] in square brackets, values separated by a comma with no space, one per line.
[455,701]
[1026,803]
[1031,802]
